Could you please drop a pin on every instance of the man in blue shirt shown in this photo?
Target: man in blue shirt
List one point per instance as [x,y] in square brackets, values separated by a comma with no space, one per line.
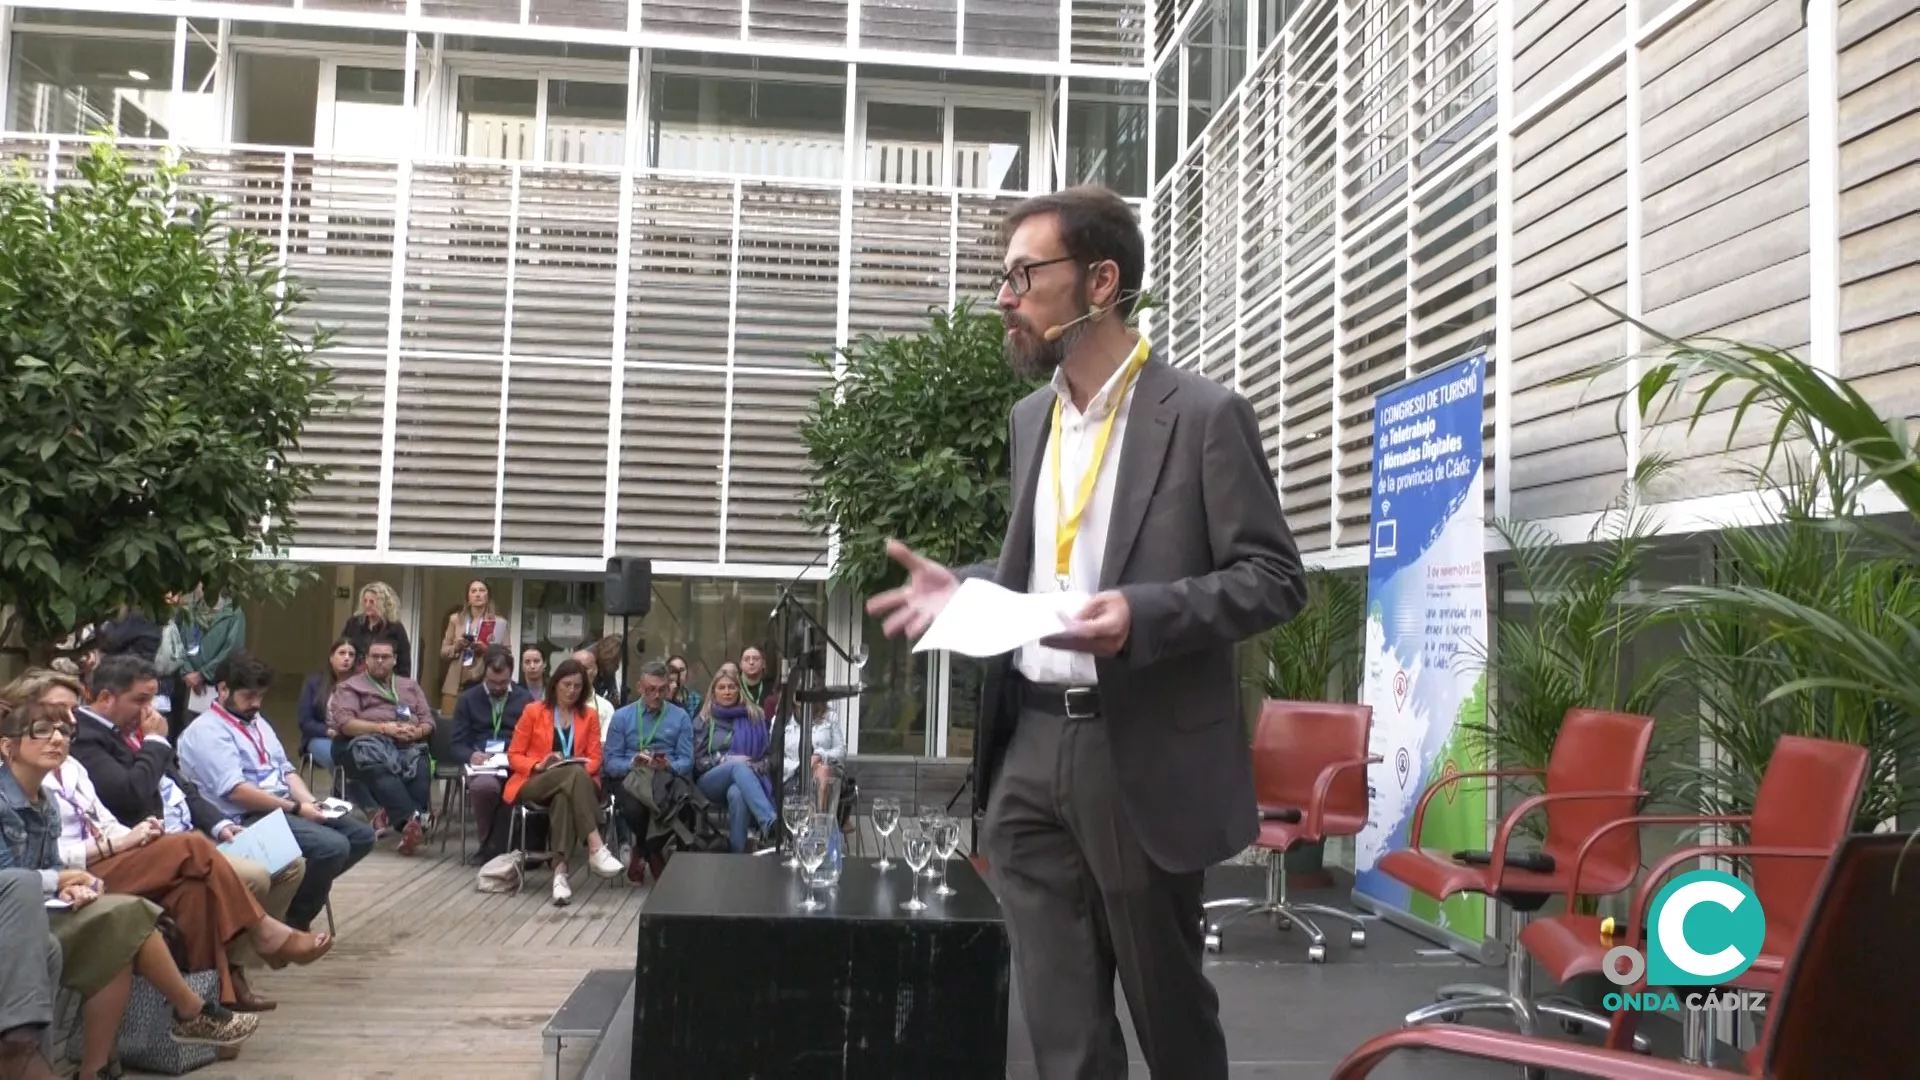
[652,734]
[483,721]
[232,754]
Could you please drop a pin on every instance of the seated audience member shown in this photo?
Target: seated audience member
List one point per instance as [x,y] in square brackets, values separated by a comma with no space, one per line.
[104,940]
[121,743]
[484,720]
[759,685]
[183,873]
[555,758]
[730,759]
[29,973]
[388,723]
[587,659]
[318,736]
[232,754]
[471,632]
[680,690]
[533,671]
[655,735]
[829,750]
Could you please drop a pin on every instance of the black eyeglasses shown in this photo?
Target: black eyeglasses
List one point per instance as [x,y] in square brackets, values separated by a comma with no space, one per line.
[1020,278]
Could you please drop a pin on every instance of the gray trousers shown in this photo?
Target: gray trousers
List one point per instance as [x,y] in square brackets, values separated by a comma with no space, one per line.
[1083,901]
[29,957]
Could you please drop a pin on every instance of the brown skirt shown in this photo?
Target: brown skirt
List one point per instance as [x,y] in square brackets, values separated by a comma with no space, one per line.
[189,878]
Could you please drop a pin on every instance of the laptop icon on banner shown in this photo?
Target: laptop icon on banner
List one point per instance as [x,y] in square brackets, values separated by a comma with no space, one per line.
[1386,536]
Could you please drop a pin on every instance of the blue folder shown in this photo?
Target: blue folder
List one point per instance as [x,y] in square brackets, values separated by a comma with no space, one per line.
[268,842]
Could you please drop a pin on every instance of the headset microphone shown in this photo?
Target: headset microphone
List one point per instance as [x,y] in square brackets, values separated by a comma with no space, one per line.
[1058,331]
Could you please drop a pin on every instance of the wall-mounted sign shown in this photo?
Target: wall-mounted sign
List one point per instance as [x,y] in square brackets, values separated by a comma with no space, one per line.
[342,593]
[495,562]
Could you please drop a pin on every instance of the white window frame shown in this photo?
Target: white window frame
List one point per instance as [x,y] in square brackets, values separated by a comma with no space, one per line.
[541,71]
[1033,103]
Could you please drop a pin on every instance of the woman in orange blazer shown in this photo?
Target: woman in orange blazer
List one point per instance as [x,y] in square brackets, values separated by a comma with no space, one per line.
[546,757]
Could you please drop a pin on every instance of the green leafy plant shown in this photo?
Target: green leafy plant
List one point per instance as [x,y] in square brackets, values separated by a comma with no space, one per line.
[911,443]
[154,393]
[1571,647]
[1814,627]
[1317,654]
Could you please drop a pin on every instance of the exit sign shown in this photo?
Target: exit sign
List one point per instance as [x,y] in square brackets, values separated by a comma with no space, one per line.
[495,562]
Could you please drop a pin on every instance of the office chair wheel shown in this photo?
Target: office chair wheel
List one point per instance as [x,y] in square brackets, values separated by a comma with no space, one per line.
[1357,938]
[1213,940]
[1281,922]
[1573,1027]
[1316,954]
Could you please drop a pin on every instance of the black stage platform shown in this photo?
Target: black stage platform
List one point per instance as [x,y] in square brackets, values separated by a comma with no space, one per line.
[1286,1019]
[735,980]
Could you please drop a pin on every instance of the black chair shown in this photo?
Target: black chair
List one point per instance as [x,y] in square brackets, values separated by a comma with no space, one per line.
[452,776]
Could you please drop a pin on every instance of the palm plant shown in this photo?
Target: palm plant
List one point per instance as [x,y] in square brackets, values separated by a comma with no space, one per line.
[1815,627]
[1572,647]
[1316,655]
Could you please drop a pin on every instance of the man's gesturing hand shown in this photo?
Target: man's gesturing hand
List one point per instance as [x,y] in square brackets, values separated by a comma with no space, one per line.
[1101,628]
[911,608]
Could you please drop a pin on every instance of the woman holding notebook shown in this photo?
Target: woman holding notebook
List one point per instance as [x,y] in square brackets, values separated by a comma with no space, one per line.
[555,765]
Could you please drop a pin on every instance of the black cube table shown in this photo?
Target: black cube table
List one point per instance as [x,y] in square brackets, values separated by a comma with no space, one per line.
[734,980]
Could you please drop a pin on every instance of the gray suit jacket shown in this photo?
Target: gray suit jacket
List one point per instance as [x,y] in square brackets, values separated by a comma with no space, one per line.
[1198,546]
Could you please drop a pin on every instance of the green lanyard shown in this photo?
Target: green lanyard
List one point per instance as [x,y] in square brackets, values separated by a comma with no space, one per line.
[647,733]
[388,691]
[499,714]
[710,750]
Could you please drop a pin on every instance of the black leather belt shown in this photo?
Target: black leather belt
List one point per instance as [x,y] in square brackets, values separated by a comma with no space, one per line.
[1072,702]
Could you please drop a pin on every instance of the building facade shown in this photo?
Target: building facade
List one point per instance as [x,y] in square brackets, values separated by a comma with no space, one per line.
[578,253]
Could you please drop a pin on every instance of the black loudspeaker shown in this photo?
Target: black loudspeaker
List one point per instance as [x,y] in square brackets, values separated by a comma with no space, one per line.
[629,586]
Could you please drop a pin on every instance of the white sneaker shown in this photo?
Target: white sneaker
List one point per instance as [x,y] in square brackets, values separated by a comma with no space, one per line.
[562,892]
[606,864]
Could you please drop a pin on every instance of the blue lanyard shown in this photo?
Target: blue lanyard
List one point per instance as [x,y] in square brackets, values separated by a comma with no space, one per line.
[567,747]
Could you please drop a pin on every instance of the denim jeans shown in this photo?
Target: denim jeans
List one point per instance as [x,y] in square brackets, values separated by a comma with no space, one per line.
[740,786]
[331,849]
[401,797]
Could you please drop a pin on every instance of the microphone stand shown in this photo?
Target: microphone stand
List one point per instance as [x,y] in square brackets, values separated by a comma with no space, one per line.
[791,614]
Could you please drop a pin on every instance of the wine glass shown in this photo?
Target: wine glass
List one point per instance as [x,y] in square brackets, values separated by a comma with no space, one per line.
[930,818]
[946,839]
[886,817]
[811,844]
[793,811]
[919,848]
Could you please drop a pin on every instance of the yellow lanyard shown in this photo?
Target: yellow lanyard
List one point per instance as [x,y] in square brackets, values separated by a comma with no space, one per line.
[1066,528]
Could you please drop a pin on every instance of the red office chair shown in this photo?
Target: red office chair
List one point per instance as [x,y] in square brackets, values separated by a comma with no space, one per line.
[1310,777]
[1802,811]
[1592,779]
[1843,1009]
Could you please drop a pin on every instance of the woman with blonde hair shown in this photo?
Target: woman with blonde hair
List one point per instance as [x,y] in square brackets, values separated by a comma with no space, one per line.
[379,620]
[470,631]
[731,747]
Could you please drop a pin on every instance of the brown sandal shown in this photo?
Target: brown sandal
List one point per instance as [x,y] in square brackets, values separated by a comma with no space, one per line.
[301,947]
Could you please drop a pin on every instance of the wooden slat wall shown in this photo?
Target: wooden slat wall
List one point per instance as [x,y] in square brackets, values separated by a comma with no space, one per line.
[589,14]
[811,22]
[670,442]
[483,10]
[446,447]
[910,25]
[1880,201]
[454,293]
[343,509]
[1570,227]
[1109,32]
[564,260]
[1724,220]
[768,473]
[1306,405]
[555,501]
[696,18]
[901,242]
[1554,39]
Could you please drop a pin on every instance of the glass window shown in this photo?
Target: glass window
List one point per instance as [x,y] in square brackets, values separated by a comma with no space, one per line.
[586,123]
[893,710]
[904,143]
[751,126]
[711,620]
[991,148]
[1107,135]
[498,117]
[80,85]
[1166,116]
[276,100]
[369,112]
[965,677]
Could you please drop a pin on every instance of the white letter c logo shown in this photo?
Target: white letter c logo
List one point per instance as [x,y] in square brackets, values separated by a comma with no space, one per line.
[1672,928]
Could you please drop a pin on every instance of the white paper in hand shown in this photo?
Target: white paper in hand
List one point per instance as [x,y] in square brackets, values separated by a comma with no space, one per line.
[984,619]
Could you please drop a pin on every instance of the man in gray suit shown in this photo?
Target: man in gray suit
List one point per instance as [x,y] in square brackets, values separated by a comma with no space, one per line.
[1111,760]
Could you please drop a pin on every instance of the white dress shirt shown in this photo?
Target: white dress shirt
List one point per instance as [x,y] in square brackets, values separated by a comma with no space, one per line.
[81,815]
[1078,431]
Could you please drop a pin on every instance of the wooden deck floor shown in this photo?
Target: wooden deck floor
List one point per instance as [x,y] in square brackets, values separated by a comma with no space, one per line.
[431,978]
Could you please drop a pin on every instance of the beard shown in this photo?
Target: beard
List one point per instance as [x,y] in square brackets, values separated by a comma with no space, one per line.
[1041,358]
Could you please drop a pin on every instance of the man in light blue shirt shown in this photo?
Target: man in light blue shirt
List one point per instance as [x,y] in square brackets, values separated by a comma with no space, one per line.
[652,734]
[233,756]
